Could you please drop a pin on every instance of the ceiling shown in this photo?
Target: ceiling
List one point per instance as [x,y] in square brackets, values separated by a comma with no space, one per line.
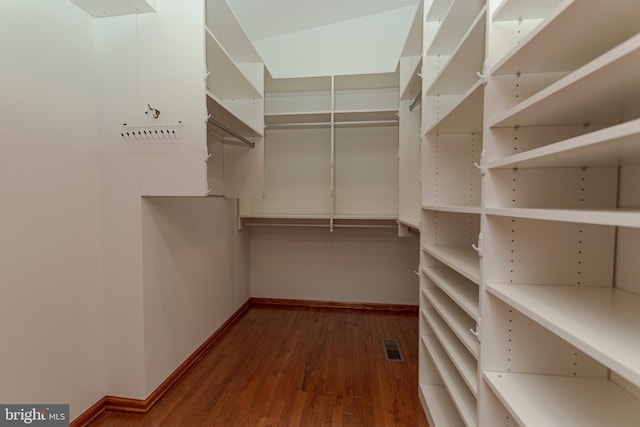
[263,19]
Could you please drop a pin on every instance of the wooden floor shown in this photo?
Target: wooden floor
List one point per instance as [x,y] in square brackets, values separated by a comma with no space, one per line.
[292,366]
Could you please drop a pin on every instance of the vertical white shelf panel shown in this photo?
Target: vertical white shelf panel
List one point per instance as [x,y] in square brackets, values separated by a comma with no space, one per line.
[460,394]
[464,362]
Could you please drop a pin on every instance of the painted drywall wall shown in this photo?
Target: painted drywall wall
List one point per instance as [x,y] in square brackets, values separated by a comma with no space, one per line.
[196,275]
[51,302]
[370,44]
[348,265]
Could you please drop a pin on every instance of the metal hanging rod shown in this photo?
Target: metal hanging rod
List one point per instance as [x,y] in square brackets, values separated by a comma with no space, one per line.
[315,225]
[416,101]
[351,123]
[230,132]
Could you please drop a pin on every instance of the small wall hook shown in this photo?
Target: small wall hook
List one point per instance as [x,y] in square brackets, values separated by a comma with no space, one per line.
[154,111]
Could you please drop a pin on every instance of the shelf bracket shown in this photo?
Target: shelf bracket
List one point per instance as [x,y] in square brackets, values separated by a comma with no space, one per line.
[476,332]
[482,166]
[478,248]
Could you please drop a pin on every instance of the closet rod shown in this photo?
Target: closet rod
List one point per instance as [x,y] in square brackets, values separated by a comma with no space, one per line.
[361,122]
[230,132]
[416,101]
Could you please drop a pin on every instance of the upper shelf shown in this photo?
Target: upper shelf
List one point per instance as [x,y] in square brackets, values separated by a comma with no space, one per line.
[596,26]
[413,43]
[454,26]
[465,116]
[366,81]
[459,73]
[603,91]
[298,84]
[601,321]
[226,80]
[225,26]
[623,217]
[513,10]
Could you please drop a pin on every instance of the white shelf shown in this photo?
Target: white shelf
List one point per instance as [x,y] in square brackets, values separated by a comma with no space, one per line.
[462,291]
[441,410]
[366,115]
[458,390]
[454,26]
[603,322]
[557,401]
[366,81]
[595,25]
[513,10]
[465,209]
[464,117]
[320,117]
[465,363]
[463,259]
[298,84]
[226,28]
[226,80]
[459,322]
[222,114]
[459,73]
[611,217]
[613,146]
[603,91]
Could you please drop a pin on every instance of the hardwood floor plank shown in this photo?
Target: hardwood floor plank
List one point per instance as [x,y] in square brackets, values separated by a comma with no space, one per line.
[297,366]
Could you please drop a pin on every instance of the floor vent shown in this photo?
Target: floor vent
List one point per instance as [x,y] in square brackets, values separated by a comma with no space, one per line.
[392,350]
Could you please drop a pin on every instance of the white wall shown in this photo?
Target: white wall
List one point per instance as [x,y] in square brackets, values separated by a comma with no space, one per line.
[51,302]
[371,44]
[348,265]
[196,275]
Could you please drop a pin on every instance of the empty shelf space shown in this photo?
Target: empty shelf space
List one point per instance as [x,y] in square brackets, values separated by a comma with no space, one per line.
[513,10]
[463,259]
[298,84]
[454,208]
[465,116]
[453,27]
[601,321]
[460,394]
[459,72]
[222,114]
[465,363]
[595,28]
[459,322]
[552,400]
[603,91]
[226,80]
[612,146]
[441,409]
[461,290]
[613,217]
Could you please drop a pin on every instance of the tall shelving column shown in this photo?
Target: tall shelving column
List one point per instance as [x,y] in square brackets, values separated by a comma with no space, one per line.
[410,139]
[560,301]
[452,118]
[234,99]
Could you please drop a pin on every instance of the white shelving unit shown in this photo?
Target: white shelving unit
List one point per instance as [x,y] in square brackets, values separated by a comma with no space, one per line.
[552,124]
[331,151]
[410,120]
[234,106]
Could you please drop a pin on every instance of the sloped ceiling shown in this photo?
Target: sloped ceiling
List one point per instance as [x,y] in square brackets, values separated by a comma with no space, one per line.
[263,19]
